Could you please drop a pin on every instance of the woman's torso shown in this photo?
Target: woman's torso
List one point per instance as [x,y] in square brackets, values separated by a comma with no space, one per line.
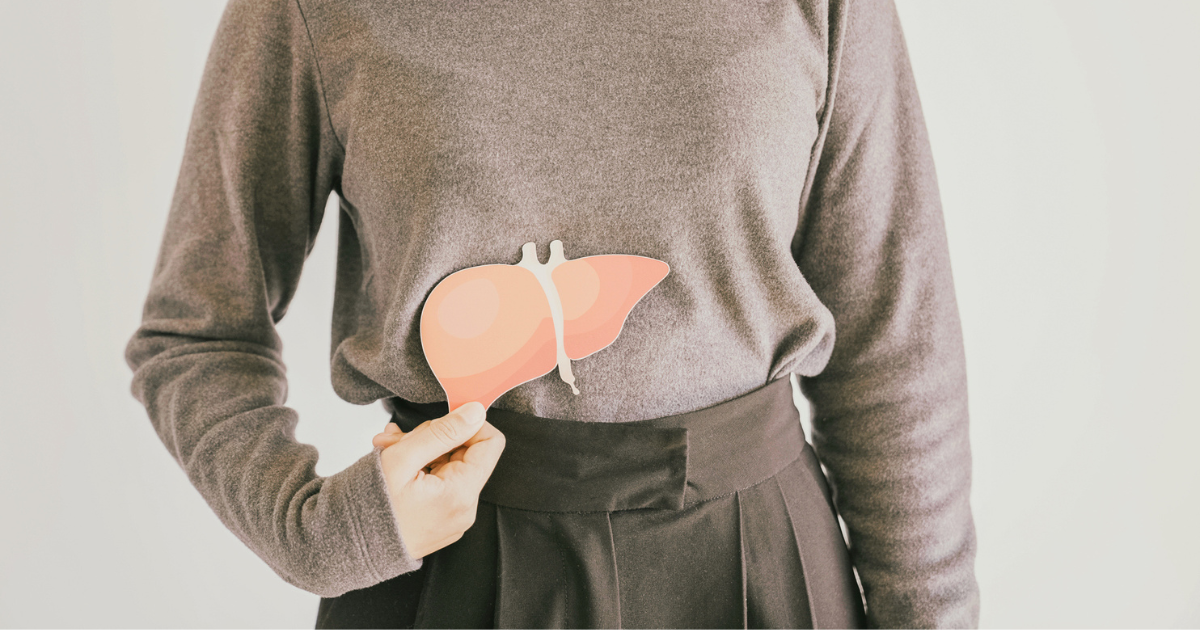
[681,131]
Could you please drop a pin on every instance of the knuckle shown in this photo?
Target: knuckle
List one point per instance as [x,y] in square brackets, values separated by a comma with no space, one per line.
[444,431]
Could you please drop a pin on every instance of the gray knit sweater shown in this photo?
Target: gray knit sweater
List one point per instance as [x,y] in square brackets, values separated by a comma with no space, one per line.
[772,152]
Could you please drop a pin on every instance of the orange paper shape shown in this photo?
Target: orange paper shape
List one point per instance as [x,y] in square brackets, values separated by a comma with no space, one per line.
[487,329]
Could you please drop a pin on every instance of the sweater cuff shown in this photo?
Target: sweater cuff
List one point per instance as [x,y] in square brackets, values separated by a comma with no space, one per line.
[375,527]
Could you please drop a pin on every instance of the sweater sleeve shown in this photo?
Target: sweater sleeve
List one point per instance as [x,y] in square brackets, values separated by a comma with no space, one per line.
[260,161]
[890,420]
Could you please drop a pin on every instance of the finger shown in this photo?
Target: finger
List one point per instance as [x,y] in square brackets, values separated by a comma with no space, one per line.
[485,451]
[408,433]
[477,461]
[457,454]
[391,434]
[486,431]
[430,466]
[387,437]
[427,442]
[384,440]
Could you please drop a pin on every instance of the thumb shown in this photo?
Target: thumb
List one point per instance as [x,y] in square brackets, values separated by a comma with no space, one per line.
[437,437]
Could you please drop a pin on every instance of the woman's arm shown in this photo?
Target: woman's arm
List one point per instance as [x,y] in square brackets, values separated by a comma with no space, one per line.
[890,408]
[260,161]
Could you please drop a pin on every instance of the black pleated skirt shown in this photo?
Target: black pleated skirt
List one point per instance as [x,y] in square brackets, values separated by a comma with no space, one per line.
[715,518]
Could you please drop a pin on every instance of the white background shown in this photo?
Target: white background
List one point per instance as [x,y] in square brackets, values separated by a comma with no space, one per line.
[1066,142]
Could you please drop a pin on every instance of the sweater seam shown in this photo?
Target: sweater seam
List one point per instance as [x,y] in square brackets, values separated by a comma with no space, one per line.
[320,78]
[837,39]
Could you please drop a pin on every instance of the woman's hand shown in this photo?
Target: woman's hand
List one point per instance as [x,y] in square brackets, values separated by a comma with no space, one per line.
[435,472]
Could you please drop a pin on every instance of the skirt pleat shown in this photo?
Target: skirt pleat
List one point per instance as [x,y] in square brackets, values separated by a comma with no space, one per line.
[776,588]
[680,569]
[829,573]
[556,570]
[717,518]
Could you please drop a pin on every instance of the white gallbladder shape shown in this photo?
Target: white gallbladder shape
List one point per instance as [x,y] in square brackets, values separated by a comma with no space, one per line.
[487,329]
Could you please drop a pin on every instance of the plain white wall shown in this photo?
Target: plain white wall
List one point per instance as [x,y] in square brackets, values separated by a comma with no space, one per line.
[1066,142]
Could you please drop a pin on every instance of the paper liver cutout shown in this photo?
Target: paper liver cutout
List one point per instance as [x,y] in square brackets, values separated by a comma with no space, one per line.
[487,329]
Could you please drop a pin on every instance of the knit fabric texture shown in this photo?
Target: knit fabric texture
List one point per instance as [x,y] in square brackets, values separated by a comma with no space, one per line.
[772,152]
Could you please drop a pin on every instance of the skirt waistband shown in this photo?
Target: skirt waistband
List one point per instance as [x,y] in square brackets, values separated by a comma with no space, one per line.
[667,463]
